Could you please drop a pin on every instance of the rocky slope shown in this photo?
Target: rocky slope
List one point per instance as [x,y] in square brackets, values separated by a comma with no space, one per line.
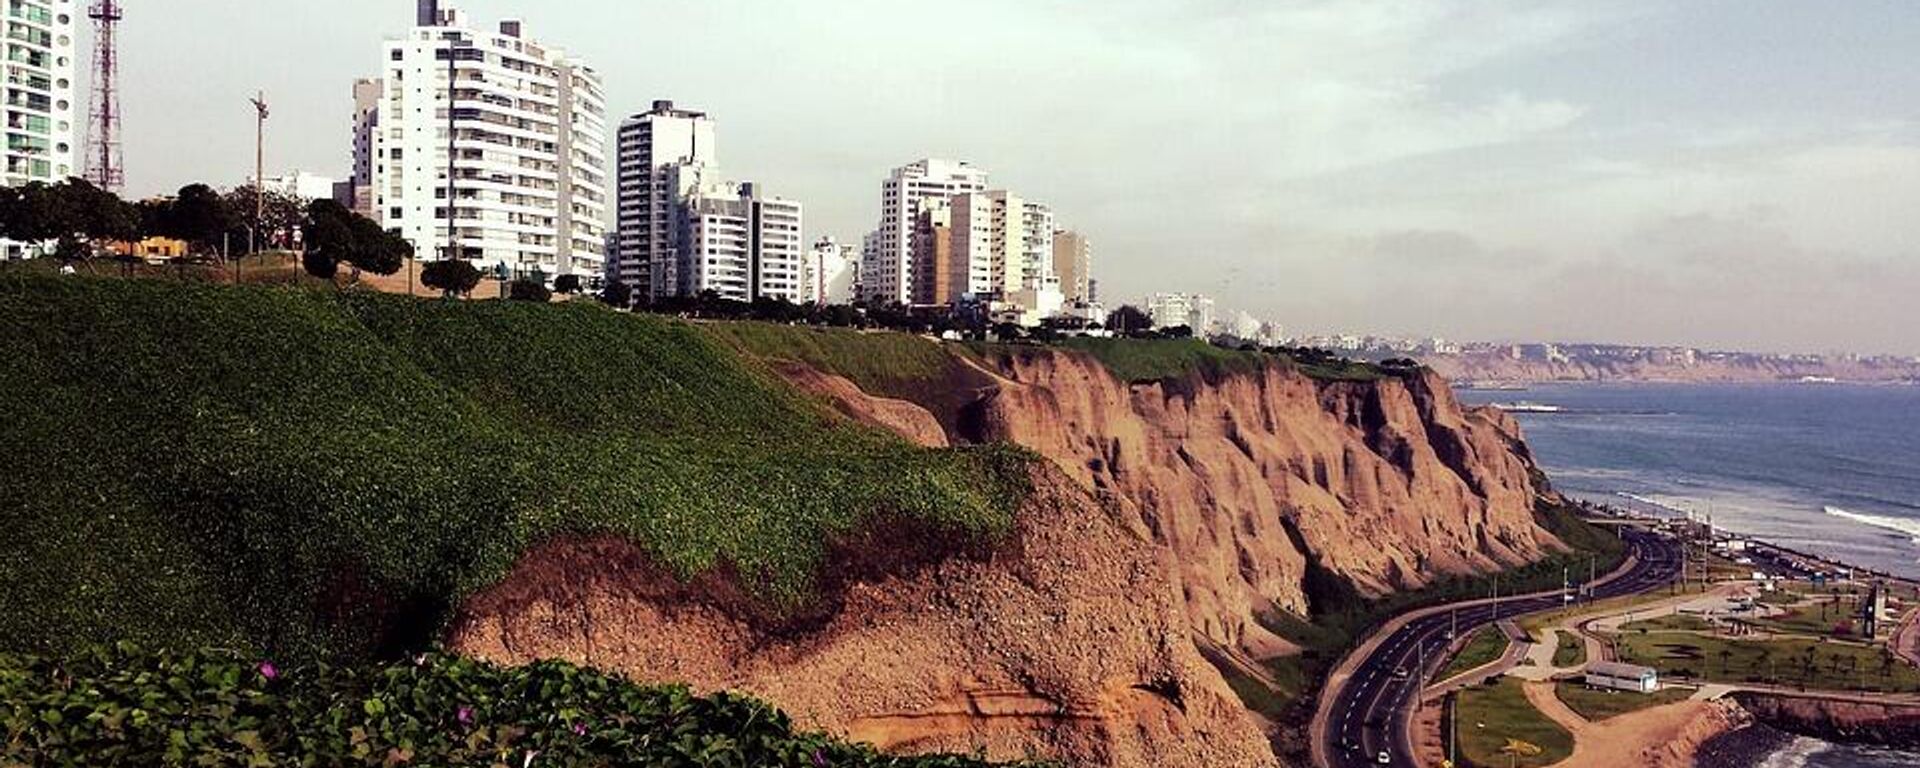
[1248,477]
[1067,643]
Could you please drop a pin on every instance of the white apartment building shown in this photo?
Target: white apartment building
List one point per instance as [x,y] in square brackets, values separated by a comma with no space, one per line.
[42,113]
[525,126]
[1170,310]
[887,266]
[741,245]
[831,273]
[653,148]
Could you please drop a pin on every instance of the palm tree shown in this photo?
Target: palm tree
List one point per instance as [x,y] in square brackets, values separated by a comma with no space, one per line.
[1516,749]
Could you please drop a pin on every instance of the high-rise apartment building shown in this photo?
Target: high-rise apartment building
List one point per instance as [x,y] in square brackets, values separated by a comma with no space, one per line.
[831,274]
[939,276]
[653,148]
[521,125]
[1170,310]
[1073,264]
[40,107]
[356,192]
[740,244]
[887,267]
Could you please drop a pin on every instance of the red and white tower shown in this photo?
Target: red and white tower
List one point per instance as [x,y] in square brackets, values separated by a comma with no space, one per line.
[104,162]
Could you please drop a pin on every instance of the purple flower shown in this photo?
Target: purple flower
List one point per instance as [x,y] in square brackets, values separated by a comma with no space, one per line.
[464,715]
[579,729]
[819,759]
[268,670]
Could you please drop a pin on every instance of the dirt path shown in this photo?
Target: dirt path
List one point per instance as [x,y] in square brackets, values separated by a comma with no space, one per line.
[1661,737]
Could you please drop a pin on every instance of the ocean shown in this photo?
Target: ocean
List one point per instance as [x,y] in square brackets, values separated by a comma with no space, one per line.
[1833,470]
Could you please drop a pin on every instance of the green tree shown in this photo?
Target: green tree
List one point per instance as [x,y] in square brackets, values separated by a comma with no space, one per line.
[453,277]
[568,284]
[281,215]
[200,216]
[1129,320]
[529,290]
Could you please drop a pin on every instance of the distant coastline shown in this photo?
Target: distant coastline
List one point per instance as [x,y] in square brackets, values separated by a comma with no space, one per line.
[1496,369]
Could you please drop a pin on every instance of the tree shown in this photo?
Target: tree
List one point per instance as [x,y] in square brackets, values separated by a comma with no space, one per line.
[529,290]
[1008,332]
[452,277]
[1178,332]
[617,294]
[281,215]
[1129,320]
[319,265]
[341,235]
[567,284]
[199,216]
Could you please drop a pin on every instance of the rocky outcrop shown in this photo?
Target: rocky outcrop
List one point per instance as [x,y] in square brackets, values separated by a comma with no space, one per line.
[1068,641]
[1249,477]
[1894,724]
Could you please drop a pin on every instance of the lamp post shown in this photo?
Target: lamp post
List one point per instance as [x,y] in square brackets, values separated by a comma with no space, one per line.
[259,169]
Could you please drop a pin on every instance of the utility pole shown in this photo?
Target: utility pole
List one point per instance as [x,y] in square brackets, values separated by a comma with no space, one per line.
[259,171]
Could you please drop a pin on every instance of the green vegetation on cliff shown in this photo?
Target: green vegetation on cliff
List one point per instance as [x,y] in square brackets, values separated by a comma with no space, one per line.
[307,472]
[122,707]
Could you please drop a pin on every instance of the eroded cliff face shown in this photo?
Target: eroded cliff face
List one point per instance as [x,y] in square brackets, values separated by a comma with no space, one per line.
[1067,642]
[1244,477]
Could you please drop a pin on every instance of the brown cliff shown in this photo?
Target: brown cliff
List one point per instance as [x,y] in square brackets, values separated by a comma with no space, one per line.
[1245,476]
[1067,643]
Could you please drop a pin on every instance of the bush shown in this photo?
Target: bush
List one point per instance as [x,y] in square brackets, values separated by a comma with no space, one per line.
[319,265]
[123,707]
[568,284]
[528,290]
[453,277]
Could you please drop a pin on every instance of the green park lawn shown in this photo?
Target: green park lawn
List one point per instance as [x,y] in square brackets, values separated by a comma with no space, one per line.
[1489,716]
[1672,623]
[1597,704]
[1570,649]
[1789,662]
[1484,647]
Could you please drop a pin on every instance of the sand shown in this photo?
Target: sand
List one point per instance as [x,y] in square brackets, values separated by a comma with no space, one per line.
[1666,736]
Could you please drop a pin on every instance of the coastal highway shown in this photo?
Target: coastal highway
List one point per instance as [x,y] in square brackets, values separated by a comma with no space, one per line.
[1368,713]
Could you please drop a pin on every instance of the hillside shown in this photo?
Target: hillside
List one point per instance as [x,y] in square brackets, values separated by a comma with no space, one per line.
[299,473]
[309,472]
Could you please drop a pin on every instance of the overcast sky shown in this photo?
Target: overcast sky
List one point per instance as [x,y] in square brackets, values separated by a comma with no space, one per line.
[1726,173]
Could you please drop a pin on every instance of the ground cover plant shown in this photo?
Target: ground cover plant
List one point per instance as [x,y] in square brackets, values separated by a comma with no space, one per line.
[1484,646]
[125,707]
[310,472]
[1597,704]
[1801,663]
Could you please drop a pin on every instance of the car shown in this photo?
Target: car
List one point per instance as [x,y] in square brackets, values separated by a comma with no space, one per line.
[1385,759]
[1400,673]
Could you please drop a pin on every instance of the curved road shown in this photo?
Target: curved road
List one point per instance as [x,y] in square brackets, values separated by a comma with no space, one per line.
[1369,713]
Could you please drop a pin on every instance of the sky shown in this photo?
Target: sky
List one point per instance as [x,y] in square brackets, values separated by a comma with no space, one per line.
[1734,174]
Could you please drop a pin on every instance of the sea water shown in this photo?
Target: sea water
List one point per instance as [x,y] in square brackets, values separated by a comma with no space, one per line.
[1829,469]
[1832,470]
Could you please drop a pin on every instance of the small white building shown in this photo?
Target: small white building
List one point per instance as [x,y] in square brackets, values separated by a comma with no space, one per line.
[1623,677]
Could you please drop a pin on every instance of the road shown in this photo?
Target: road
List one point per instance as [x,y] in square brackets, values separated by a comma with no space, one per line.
[1368,714]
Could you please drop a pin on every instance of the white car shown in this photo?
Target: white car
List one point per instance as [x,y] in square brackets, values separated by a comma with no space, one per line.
[1386,759]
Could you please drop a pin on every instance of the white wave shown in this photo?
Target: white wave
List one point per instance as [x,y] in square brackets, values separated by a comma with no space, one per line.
[1797,754]
[1670,505]
[1903,525]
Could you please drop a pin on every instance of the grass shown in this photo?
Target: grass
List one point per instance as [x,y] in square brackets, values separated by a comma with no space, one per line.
[1793,662]
[296,471]
[1491,715]
[1147,360]
[878,362]
[1534,624]
[1828,618]
[1570,649]
[1597,704]
[1484,646]
[1678,622]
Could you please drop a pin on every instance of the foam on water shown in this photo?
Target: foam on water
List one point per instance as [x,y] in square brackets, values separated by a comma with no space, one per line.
[1907,526]
[1796,755]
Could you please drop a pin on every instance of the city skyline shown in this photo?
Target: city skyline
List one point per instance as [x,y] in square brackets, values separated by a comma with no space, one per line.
[1722,175]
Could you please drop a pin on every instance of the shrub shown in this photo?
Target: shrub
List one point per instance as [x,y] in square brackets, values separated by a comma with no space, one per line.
[453,277]
[568,284]
[319,265]
[528,290]
[124,707]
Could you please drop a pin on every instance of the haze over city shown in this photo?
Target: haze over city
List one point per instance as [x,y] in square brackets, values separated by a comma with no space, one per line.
[1723,174]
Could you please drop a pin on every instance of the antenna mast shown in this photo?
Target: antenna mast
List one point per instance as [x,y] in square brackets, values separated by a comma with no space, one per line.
[105,167]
